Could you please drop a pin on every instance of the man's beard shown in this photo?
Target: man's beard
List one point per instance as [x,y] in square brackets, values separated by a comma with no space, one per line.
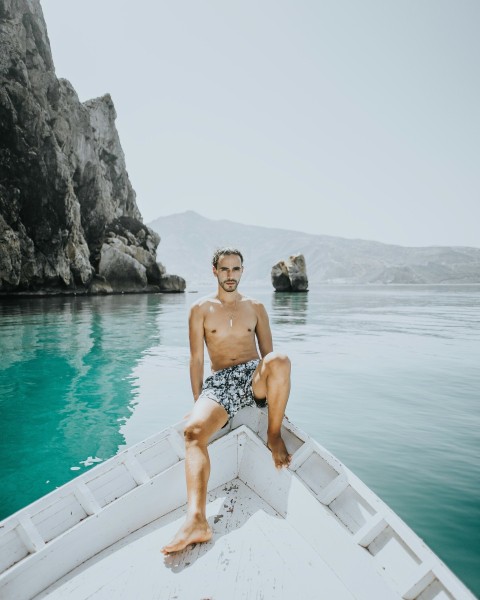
[224,284]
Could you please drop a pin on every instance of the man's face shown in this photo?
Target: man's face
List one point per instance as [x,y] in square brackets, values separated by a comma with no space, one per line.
[228,272]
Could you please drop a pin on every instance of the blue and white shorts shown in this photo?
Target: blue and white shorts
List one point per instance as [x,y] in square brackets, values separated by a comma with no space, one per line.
[232,387]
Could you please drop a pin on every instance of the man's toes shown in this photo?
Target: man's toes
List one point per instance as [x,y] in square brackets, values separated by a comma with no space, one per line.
[170,548]
[282,461]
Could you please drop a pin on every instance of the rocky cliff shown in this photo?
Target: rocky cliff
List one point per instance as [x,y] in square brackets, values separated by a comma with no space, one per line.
[68,215]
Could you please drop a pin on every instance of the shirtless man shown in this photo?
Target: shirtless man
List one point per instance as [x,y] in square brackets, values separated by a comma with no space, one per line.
[231,326]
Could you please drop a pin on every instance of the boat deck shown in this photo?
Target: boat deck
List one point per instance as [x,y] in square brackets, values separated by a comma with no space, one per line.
[311,531]
[254,554]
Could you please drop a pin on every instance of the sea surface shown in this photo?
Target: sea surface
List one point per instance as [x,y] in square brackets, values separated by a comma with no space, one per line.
[385,377]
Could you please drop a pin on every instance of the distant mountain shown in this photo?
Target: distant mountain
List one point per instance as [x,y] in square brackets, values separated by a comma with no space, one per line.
[188,241]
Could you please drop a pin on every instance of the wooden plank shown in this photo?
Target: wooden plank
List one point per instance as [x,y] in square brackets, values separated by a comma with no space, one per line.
[136,470]
[112,484]
[351,508]
[258,471]
[58,516]
[421,579]
[436,591]
[397,563]
[117,520]
[333,490]
[300,456]
[316,472]
[159,496]
[370,530]
[333,543]
[158,457]
[177,443]
[246,559]
[86,498]
[12,549]
[395,558]
[29,534]
[247,417]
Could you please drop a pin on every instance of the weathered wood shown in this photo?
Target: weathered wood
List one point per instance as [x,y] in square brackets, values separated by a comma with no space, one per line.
[29,534]
[254,554]
[313,530]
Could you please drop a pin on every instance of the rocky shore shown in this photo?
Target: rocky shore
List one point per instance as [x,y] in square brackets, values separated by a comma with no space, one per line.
[69,222]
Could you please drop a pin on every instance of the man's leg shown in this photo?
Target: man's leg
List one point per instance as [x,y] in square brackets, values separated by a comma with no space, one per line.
[206,418]
[271,380]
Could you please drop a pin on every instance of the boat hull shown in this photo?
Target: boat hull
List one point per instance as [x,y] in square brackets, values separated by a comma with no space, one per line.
[314,518]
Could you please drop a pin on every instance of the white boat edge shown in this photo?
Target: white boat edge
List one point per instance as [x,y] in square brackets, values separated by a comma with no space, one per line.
[52,536]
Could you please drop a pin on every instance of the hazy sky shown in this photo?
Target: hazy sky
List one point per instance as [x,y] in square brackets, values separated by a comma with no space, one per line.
[353,118]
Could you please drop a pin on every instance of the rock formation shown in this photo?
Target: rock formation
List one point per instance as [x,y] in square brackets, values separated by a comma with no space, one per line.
[172,283]
[127,259]
[69,222]
[290,275]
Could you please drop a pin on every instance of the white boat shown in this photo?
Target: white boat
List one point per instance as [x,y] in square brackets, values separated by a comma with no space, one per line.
[312,531]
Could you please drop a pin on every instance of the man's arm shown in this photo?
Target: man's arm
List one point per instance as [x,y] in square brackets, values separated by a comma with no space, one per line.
[196,335]
[262,330]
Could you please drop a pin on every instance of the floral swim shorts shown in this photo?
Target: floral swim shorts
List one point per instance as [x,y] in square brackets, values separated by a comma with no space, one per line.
[232,387]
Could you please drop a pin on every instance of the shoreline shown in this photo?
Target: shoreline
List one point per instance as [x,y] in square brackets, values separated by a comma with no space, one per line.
[68,293]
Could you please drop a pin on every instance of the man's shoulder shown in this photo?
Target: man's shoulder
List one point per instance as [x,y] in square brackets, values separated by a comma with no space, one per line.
[252,302]
[203,303]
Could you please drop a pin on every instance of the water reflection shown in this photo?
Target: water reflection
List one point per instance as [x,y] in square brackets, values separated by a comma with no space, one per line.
[66,384]
[401,361]
[289,308]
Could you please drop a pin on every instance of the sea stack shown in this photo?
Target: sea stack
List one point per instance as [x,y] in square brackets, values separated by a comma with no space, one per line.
[290,275]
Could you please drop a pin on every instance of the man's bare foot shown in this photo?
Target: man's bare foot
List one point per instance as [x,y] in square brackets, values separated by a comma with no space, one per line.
[280,454]
[193,531]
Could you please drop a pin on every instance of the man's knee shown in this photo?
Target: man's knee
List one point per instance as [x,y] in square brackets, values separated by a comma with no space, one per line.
[276,361]
[194,431]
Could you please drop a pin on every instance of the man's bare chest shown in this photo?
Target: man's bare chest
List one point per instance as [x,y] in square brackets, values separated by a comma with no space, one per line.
[222,324]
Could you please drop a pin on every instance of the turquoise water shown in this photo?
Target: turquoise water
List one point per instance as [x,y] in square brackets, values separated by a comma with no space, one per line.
[387,378]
